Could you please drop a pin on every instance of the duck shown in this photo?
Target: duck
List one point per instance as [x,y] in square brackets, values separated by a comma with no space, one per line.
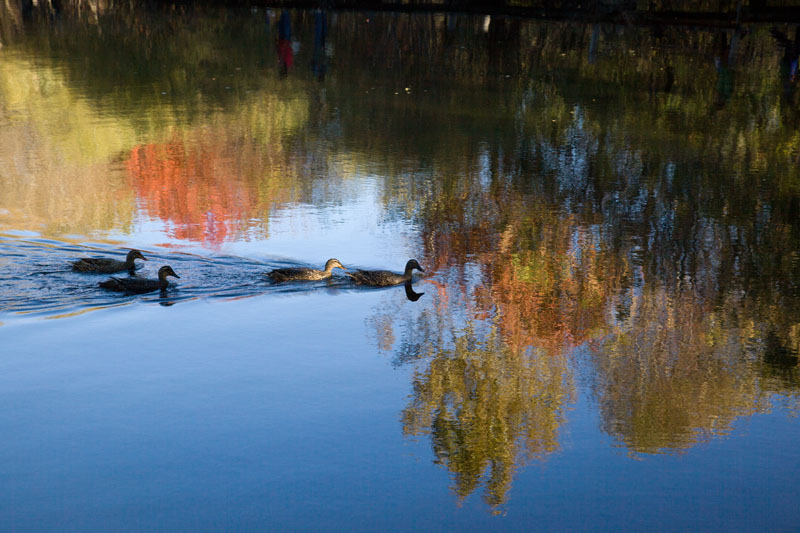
[385,278]
[140,285]
[305,274]
[108,266]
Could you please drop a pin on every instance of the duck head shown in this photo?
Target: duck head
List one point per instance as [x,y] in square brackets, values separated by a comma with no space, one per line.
[333,263]
[165,271]
[411,265]
[134,254]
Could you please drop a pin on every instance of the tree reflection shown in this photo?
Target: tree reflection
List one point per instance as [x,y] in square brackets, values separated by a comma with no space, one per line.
[488,408]
[53,150]
[203,192]
[579,199]
[571,240]
[674,373]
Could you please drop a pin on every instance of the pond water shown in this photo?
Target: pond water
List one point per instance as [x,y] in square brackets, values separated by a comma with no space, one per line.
[606,334]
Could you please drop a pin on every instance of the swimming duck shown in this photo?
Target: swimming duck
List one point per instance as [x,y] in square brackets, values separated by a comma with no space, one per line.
[304,274]
[384,278]
[139,285]
[107,266]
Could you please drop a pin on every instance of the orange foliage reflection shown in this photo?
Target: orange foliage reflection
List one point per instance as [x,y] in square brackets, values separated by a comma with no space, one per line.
[556,295]
[201,191]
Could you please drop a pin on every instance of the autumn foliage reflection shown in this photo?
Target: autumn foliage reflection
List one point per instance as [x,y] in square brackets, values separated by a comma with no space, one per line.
[488,409]
[674,373]
[203,191]
[579,201]
[680,349]
[53,150]
[553,290]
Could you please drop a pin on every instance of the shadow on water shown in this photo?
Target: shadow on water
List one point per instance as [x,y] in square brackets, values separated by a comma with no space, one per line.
[36,278]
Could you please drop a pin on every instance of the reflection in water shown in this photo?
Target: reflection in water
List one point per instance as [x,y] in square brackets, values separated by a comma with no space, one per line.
[583,202]
[488,409]
[410,293]
[318,62]
[203,194]
[788,69]
[284,45]
[645,253]
[676,372]
[54,149]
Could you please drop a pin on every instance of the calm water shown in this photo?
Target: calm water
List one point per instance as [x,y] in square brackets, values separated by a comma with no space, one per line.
[606,335]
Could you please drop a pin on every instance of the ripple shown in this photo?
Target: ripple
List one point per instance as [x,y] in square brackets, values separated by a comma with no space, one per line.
[36,278]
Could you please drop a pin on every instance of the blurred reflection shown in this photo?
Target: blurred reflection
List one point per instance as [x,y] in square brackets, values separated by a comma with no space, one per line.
[318,61]
[488,408]
[722,63]
[780,370]
[788,70]
[588,210]
[53,150]
[284,44]
[503,37]
[593,43]
[674,374]
[203,192]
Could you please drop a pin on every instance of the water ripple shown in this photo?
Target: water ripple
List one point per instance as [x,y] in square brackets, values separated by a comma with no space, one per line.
[36,278]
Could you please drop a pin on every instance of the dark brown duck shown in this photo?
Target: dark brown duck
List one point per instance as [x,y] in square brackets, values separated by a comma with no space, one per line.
[107,266]
[140,285]
[385,278]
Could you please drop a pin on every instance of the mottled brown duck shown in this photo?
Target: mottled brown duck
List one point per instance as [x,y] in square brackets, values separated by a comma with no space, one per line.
[305,274]
[385,278]
[140,285]
[107,266]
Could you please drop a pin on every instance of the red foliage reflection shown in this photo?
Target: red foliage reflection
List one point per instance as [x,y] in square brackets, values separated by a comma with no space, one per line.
[197,192]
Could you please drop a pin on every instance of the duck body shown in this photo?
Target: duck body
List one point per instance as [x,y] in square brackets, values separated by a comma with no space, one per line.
[107,266]
[140,285]
[304,274]
[385,278]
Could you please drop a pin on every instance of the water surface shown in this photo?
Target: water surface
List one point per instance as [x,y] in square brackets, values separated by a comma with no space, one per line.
[606,334]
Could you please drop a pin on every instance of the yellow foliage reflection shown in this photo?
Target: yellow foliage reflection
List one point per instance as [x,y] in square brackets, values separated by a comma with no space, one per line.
[54,149]
[674,374]
[488,409]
